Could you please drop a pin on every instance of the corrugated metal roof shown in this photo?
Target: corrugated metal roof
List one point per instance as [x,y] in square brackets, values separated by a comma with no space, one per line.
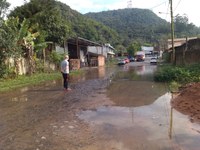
[82,42]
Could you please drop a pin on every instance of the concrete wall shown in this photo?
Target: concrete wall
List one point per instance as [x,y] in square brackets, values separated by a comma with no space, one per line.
[23,65]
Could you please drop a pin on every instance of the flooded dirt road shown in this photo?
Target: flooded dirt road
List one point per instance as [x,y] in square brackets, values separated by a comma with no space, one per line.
[118,108]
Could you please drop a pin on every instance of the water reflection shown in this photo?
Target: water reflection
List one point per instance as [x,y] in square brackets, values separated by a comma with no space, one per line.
[19,99]
[152,122]
[134,93]
[134,86]
[142,72]
[124,116]
[93,73]
[142,112]
[145,69]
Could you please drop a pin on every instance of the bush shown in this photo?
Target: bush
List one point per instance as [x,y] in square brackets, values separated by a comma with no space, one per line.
[39,66]
[178,74]
[7,73]
[55,58]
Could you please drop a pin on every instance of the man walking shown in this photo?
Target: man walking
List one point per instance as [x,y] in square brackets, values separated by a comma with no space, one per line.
[65,72]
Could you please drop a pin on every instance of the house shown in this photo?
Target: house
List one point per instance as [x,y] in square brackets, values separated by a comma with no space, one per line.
[178,41]
[83,52]
[106,50]
[147,49]
[188,52]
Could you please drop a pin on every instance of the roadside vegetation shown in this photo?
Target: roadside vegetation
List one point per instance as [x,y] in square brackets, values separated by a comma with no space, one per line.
[21,81]
[178,76]
[31,31]
[35,79]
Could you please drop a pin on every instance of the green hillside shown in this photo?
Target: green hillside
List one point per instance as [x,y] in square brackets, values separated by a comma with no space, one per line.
[143,25]
[57,21]
[56,18]
[133,24]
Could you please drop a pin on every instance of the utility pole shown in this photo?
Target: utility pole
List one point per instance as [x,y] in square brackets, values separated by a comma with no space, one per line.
[172,32]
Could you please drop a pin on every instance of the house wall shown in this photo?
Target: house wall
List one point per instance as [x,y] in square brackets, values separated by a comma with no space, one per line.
[95,49]
[101,61]
[74,64]
[192,54]
[101,50]
[179,41]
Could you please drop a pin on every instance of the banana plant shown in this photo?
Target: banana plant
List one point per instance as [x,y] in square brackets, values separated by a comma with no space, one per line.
[27,40]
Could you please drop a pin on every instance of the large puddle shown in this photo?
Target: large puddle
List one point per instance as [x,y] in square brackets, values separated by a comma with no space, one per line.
[142,117]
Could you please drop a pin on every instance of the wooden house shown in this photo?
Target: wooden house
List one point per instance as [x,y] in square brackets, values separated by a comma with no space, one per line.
[188,52]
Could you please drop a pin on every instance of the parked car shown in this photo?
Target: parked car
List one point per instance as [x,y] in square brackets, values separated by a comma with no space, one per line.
[127,60]
[132,59]
[121,62]
[153,60]
[140,56]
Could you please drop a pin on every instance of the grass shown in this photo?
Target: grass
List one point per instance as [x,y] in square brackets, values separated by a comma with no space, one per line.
[176,76]
[22,81]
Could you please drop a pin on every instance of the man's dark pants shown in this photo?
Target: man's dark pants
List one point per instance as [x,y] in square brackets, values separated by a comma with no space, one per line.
[65,80]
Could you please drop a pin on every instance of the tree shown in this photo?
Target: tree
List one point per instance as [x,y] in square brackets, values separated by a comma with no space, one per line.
[183,28]
[3,8]
[180,23]
[9,46]
[17,40]
[26,40]
[133,48]
[48,16]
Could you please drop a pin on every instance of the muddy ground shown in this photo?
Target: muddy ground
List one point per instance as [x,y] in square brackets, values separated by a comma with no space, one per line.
[45,118]
[188,101]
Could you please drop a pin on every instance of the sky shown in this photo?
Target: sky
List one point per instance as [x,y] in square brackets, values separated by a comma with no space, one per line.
[189,8]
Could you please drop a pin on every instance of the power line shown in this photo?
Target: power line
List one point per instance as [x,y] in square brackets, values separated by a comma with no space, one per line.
[167,11]
[177,5]
[158,5]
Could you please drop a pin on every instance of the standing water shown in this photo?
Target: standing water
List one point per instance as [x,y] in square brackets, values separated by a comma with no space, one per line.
[141,117]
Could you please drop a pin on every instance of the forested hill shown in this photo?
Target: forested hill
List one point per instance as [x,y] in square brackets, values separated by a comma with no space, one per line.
[133,23]
[58,21]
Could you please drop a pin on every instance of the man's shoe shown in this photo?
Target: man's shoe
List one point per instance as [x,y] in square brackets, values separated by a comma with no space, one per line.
[68,89]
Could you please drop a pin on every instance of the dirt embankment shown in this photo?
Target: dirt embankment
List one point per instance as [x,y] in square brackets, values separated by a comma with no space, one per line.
[188,102]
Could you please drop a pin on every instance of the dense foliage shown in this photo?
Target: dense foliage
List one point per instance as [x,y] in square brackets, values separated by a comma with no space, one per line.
[120,27]
[143,24]
[183,28]
[133,24]
[59,22]
[133,48]
[182,75]
[29,27]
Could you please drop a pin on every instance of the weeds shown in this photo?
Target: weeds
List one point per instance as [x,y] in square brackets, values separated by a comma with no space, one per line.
[179,74]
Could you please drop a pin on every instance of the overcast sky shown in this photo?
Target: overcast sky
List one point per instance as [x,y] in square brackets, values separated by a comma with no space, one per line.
[189,8]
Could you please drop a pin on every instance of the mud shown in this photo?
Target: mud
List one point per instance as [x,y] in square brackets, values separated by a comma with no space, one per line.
[188,101]
[104,111]
[44,117]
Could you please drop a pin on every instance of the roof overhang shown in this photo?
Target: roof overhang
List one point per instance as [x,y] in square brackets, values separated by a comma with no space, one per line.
[111,53]
[82,42]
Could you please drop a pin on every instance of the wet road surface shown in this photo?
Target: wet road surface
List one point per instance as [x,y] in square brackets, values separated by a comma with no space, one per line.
[118,108]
